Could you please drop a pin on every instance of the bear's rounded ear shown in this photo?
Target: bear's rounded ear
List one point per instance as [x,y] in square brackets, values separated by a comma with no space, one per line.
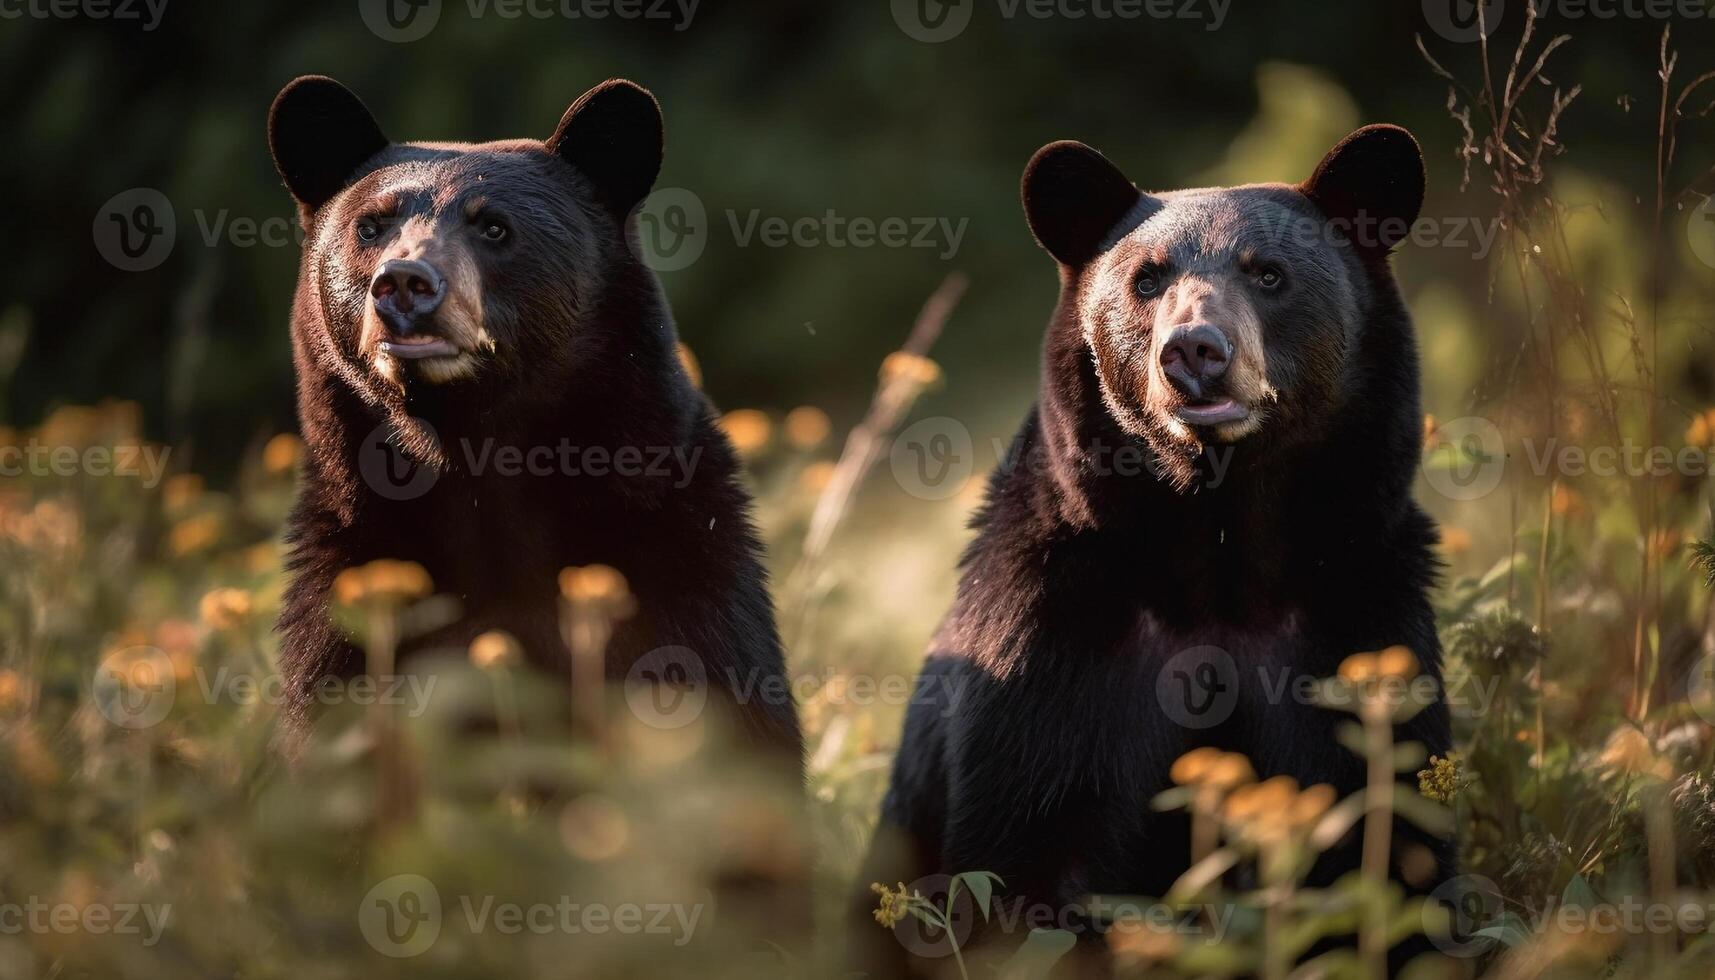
[1372,182]
[613,134]
[1073,199]
[320,134]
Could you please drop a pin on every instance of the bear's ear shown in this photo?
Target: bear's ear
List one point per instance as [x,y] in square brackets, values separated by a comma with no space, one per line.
[1073,198]
[1373,182]
[320,134]
[613,134]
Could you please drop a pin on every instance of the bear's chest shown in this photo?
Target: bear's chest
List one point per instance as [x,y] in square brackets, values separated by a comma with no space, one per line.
[1106,722]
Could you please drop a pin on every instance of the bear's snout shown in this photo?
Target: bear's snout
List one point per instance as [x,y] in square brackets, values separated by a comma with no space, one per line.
[406,294]
[1194,356]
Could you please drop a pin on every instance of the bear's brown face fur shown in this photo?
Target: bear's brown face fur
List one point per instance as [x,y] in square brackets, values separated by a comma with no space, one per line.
[464,228]
[1223,316]
[465,280]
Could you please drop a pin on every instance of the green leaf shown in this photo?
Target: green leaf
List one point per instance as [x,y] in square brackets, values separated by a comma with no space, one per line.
[1351,735]
[1511,931]
[1203,874]
[1579,894]
[1409,757]
[981,885]
[1177,798]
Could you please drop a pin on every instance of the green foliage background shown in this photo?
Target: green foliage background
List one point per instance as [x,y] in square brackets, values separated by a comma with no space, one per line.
[1593,761]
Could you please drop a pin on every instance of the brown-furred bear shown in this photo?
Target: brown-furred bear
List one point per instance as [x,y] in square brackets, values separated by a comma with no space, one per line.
[1209,504]
[489,385]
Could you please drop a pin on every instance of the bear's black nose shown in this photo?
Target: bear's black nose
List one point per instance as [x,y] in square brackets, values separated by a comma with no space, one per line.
[406,294]
[1195,354]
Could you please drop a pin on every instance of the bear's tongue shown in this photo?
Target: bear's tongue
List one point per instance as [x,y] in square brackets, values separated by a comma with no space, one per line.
[1211,411]
[419,346]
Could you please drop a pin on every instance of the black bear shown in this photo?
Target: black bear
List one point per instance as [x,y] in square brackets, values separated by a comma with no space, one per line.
[489,386]
[1214,487]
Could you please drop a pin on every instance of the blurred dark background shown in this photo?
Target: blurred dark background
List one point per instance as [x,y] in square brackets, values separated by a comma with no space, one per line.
[781,107]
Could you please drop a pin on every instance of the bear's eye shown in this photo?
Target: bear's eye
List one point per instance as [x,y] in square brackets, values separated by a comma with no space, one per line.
[368,230]
[1148,282]
[495,231]
[1269,278]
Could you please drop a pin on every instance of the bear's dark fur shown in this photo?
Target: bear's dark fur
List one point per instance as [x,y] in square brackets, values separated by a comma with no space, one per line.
[1262,520]
[550,425]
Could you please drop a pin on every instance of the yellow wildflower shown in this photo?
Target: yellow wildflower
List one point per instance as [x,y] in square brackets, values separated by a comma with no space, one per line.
[384,582]
[496,648]
[181,491]
[194,534]
[1396,663]
[1567,502]
[748,429]
[1701,432]
[1359,668]
[11,691]
[1309,805]
[688,361]
[913,368]
[893,905]
[1629,751]
[595,585]
[816,476]
[1455,540]
[1190,767]
[807,426]
[227,609]
[281,453]
[1443,779]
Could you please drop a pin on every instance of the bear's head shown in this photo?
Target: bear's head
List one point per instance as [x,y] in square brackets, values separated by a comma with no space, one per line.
[1223,316]
[447,264]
